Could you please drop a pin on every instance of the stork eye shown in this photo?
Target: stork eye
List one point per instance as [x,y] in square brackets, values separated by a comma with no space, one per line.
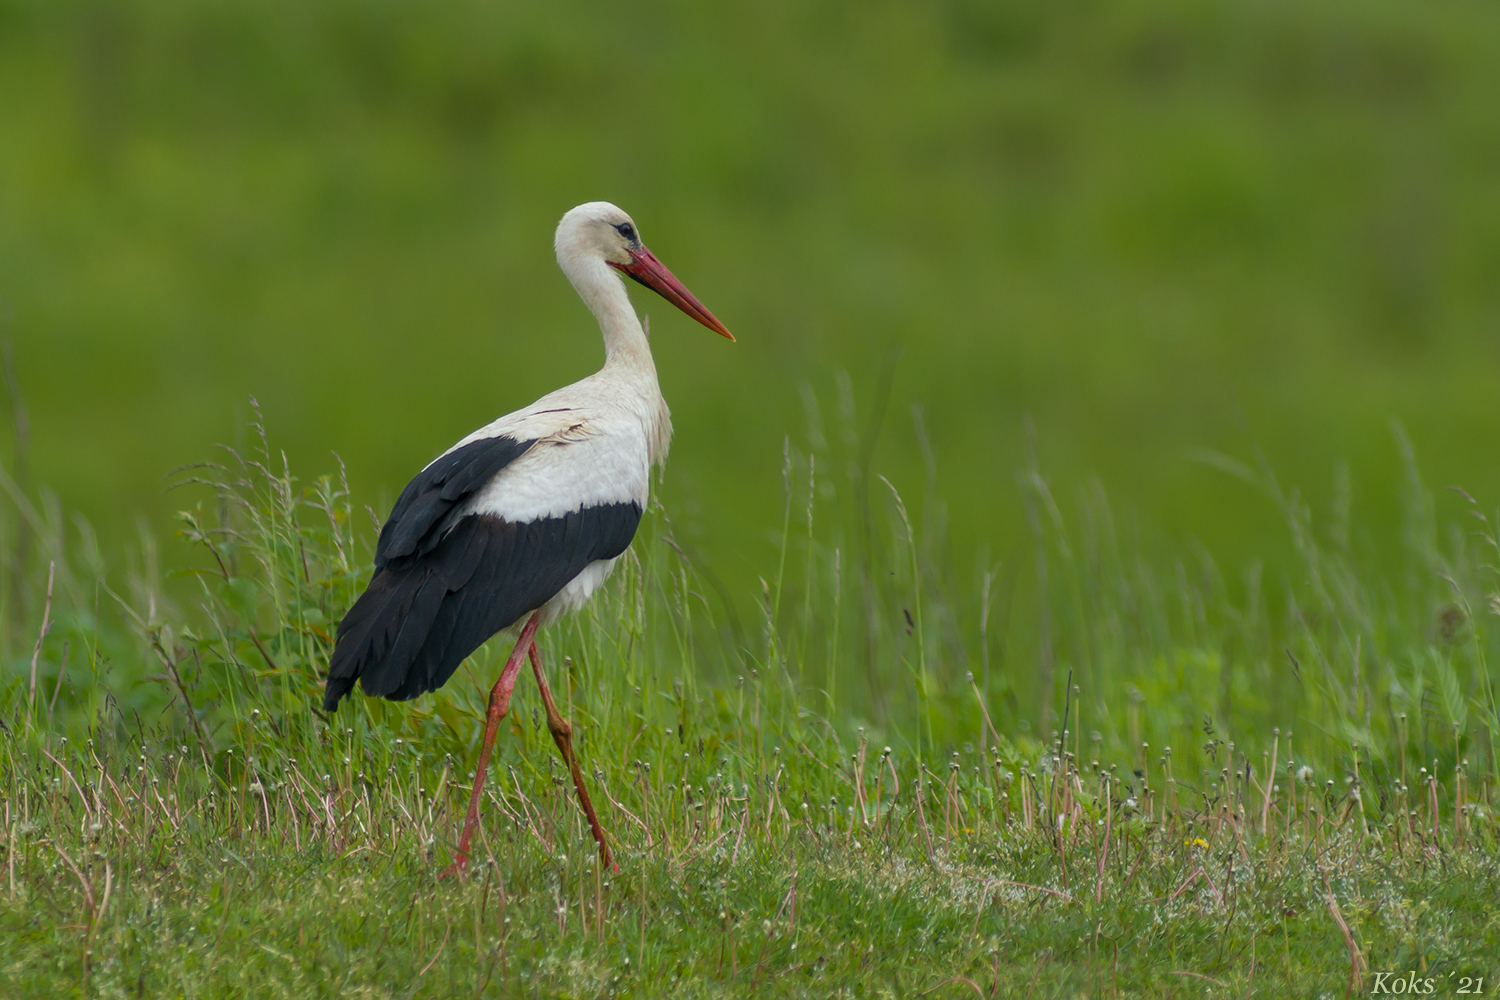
[626,230]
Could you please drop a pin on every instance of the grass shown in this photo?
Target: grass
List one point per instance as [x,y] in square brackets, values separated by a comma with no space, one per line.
[1103,778]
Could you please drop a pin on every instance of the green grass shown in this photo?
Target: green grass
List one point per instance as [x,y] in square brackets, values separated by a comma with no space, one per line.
[1127,249]
[865,792]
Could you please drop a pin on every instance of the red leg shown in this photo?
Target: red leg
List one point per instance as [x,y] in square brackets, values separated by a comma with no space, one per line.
[562,735]
[499,705]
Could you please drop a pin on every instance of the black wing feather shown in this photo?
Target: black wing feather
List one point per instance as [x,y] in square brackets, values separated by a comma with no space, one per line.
[425,510]
[445,582]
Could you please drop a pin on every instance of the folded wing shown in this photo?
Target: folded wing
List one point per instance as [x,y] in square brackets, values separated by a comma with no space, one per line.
[453,566]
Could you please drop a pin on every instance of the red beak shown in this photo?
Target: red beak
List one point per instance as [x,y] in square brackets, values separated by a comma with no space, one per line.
[645,268]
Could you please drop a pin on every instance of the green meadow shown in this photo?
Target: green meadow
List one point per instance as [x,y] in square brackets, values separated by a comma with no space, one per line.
[1079,579]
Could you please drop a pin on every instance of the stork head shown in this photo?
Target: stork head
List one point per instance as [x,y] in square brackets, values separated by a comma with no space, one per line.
[603,232]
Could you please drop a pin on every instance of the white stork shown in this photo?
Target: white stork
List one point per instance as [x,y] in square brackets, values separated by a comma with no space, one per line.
[523,519]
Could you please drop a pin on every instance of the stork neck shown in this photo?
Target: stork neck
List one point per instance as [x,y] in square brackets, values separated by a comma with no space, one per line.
[603,291]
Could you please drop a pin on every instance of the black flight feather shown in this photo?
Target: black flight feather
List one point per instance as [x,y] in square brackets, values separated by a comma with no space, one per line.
[445,582]
[430,498]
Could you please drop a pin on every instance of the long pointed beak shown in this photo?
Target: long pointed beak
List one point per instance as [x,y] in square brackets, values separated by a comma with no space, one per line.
[645,268]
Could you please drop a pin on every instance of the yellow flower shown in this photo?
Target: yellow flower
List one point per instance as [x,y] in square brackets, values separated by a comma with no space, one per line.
[1195,842]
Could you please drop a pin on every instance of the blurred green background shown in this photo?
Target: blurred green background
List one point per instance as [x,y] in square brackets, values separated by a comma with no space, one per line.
[1150,227]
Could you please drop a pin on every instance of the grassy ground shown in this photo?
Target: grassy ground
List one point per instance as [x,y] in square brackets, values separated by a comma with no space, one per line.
[311,885]
[830,801]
